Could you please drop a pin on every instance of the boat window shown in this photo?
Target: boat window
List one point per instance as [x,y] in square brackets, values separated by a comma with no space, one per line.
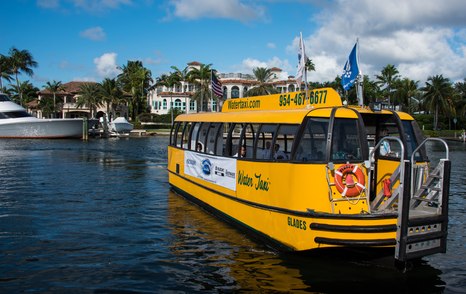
[346,145]
[389,148]
[14,114]
[202,134]
[247,139]
[213,138]
[234,139]
[185,136]
[311,146]
[264,140]
[284,142]
[4,98]
[175,127]
[194,144]
[179,134]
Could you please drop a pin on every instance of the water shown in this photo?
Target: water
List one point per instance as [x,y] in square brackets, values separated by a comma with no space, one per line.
[98,217]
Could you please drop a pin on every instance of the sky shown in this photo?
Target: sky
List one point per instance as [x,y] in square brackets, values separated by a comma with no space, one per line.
[88,40]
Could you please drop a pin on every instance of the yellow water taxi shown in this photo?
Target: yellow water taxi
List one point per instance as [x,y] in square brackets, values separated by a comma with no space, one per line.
[304,171]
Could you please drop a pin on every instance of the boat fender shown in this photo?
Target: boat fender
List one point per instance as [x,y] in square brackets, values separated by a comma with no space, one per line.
[348,187]
[387,192]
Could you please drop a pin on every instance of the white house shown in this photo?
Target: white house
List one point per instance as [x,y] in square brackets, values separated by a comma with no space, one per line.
[234,85]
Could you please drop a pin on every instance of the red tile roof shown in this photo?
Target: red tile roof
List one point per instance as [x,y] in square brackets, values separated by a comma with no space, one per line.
[69,88]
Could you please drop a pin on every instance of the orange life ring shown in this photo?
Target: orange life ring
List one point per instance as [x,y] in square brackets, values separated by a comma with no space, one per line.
[345,183]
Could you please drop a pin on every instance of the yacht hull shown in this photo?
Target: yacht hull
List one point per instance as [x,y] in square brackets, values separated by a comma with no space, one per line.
[31,128]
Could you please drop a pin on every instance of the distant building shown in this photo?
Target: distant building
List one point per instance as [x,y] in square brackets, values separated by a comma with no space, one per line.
[235,85]
[67,106]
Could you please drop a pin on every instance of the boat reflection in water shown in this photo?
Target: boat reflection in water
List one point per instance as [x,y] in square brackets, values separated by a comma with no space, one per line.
[15,122]
[216,256]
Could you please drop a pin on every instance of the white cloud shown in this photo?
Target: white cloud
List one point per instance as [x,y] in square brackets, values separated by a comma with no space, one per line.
[271,45]
[94,34]
[228,9]
[248,64]
[106,65]
[420,37]
[49,4]
[87,5]
[98,5]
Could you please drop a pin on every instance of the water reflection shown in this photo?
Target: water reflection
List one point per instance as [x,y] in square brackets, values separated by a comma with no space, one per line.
[225,259]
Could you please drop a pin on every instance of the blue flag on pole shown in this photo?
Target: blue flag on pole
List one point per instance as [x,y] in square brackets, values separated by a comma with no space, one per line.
[351,69]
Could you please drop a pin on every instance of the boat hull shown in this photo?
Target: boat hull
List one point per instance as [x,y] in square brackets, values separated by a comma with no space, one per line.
[121,125]
[31,128]
[286,218]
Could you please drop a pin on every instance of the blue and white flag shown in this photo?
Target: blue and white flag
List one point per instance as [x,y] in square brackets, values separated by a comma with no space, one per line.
[351,69]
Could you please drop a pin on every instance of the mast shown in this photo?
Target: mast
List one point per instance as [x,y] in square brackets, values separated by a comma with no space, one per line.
[360,79]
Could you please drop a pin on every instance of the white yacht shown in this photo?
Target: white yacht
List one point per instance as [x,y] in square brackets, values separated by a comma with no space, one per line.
[16,122]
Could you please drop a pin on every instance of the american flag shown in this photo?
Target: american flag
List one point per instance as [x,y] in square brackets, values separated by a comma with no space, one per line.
[216,86]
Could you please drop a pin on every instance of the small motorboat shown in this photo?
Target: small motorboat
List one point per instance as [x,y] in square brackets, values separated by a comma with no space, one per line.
[120,126]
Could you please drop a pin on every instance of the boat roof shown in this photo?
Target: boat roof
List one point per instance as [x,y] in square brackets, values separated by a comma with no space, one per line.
[289,107]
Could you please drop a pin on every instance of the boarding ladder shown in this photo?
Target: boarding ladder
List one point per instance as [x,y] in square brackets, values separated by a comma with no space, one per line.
[421,202]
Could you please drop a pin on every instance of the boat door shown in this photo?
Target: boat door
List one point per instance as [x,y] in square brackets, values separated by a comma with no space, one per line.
[403,181]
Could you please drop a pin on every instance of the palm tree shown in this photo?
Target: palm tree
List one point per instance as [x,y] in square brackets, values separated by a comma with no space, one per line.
[134,79]
[184,75]
[169,81]
[89,95]
[406,90]
[309,65]
[437,92]
[200,77]
[27,88]
[263,76]
[54,87]
[460,104]
[5,70]
[111,94]
[388,76]
[21,61]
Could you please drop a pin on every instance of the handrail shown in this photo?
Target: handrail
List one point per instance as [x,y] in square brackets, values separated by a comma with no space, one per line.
[413,166]
[424,142]
[376,148]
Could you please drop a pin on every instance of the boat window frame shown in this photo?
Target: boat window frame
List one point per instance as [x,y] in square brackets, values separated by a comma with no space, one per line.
[274,133]
[173,132]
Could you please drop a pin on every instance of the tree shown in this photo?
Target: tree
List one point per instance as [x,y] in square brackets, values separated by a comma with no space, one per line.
[89,95]
[263,76]
[21,61]
[171,80]
[388,76]
[200,77]
[54,87]
[406,90]
[134,79]
[111,94]
[5,70]
[460,101]
[309,65]
[437,92]
[184,76]
[28,90]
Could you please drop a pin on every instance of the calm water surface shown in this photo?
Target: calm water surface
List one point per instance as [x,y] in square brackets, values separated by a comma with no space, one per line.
[98,217]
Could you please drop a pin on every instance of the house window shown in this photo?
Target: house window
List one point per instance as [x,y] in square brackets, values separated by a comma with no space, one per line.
[235,92]
[164,103]
[177,103]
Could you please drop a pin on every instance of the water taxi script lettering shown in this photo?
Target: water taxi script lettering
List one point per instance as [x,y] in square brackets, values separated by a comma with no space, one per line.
[246,180]
[244,104]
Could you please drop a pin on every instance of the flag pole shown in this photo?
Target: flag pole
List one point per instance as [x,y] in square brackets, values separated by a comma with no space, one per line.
[211,91]
[360,79]
[304,59]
